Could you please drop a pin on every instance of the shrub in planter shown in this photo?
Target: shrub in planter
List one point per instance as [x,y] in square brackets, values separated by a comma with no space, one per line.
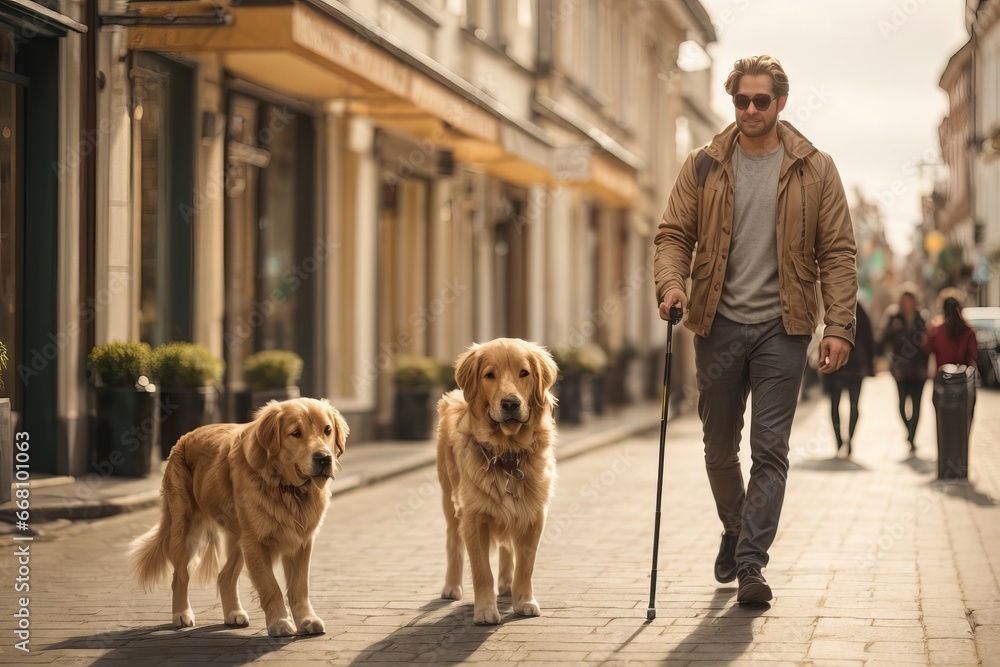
[416,379]
[186,374]
[272,375]
[579,367]
[446,377]
[127,411]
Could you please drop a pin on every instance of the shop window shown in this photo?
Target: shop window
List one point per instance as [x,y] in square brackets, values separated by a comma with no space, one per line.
[273,251]
[510,248]
[162,130]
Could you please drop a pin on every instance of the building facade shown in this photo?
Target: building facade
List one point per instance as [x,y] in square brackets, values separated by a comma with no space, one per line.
[43,48]
[984,28]
[964,210]
[355,181]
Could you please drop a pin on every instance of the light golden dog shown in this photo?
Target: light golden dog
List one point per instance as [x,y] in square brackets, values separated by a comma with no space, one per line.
[497,469]
[260,487]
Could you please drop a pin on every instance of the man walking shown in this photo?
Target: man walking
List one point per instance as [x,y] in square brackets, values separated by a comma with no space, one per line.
[765,215]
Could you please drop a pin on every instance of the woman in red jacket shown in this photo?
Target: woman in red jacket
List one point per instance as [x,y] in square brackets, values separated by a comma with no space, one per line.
[953,341]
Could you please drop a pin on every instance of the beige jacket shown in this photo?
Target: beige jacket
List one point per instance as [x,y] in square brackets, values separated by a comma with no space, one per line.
[814,234]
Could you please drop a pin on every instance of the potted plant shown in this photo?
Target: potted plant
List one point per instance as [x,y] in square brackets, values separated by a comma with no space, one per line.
[579,367]
[6,436]
[127,415]
[272,376]
[415,380]
[632,358]
[568,387]
[618,383]
[446,377]
[186,374]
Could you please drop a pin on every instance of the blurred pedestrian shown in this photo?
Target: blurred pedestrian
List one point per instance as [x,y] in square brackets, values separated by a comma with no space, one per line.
[950,338]
[952,341]
[902,340]
[860,364]
[765,216]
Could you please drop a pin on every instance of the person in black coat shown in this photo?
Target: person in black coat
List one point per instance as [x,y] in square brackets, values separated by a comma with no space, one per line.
[902,341]
[860,364]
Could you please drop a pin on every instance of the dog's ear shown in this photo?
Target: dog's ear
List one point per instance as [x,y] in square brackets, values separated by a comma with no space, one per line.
[467,372]
[340,431]
[544,368]
[264,436]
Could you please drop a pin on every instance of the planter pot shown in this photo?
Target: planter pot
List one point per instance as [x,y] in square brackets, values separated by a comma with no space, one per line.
[183,409]
[413,415]
[128,429]
[597,393]
[615,391]
[260,397]
[6,451]
[569,390]
[634,380]
[237,402]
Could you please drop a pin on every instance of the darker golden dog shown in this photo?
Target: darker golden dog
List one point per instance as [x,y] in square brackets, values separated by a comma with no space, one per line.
[497,469]
[262,489]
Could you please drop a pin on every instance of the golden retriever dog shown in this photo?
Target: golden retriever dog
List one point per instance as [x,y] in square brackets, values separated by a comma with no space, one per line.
[497,468]
[261,490]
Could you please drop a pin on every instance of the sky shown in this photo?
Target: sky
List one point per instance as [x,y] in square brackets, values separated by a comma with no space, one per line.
[864,85]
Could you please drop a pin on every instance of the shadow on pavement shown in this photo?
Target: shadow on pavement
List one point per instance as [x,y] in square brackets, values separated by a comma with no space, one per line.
[828,465]
[219,644]
[732,630]
[451,638]
[963,488]
[921,466]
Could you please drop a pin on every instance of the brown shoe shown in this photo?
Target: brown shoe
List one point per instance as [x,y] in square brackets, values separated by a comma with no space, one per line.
[725,563]
[753,588]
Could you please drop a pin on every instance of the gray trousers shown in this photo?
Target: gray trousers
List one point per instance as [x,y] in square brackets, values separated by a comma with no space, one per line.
[732,361]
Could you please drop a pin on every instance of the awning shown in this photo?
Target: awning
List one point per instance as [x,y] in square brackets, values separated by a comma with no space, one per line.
[38,19]
[604,176]
[299,50]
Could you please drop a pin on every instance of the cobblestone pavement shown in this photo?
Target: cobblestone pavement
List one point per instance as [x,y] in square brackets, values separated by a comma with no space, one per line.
[875,563]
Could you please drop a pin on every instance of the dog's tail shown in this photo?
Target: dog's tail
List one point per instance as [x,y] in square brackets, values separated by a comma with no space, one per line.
[148,555]
[208,565]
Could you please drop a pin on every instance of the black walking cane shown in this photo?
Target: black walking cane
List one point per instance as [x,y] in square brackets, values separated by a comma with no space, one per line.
[675,317]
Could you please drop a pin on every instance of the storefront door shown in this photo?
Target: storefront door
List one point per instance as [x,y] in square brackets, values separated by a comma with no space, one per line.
[273,251]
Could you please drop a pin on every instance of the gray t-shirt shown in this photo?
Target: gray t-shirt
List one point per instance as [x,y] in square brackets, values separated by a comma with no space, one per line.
[750,293]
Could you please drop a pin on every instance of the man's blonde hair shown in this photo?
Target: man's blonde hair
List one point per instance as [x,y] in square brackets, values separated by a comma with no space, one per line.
[757,65]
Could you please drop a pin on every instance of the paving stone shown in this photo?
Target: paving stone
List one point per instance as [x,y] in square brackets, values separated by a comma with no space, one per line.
[873,564]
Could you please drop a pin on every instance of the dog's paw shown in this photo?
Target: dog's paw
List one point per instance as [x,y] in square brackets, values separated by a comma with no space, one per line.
[238,618]
[503,588]
[311,625]
[185,619]
[452,592]
[486,616]
[283,627]
[528,608]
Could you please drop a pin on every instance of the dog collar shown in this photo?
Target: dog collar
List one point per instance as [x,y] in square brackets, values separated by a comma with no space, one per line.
[291,489]
[509,462]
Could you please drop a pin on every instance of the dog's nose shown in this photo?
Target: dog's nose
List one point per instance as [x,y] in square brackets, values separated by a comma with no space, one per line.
[322,460]
[510,403]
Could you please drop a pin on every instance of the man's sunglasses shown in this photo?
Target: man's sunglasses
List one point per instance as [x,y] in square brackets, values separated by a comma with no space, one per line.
[762,102]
